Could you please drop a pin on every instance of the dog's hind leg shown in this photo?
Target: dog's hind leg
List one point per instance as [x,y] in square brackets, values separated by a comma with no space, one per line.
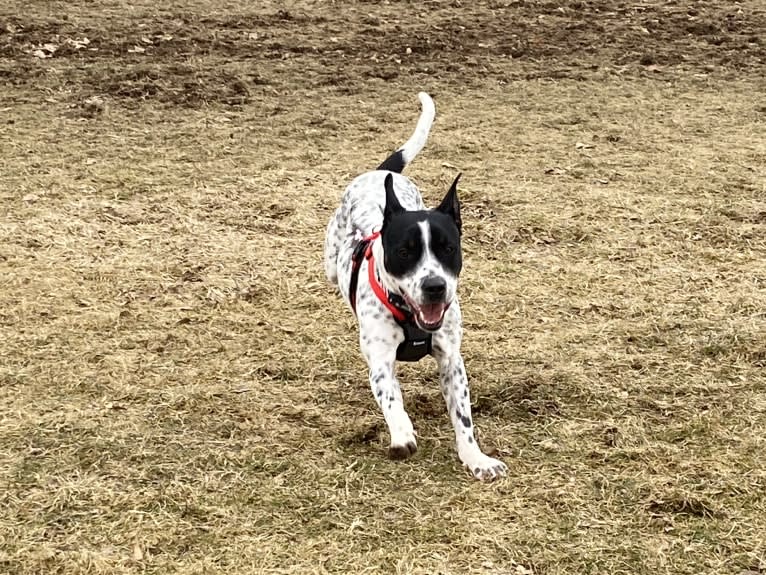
[332,242]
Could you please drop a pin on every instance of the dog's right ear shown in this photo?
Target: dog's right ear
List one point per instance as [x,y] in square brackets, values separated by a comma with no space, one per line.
[393,206]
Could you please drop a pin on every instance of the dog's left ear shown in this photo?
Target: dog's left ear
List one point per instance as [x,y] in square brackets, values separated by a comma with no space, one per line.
[451,205]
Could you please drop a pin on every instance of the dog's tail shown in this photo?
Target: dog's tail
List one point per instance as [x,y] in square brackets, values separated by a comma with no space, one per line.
[397,161]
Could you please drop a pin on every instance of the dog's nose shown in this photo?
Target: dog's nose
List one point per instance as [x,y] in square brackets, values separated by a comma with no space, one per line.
[434,288]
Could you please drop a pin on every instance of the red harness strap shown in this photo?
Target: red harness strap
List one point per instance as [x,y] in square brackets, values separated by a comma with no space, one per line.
[365,248]
[379,290]
[417,343]
[356,262]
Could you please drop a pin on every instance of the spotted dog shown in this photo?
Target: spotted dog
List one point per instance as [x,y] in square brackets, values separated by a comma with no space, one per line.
[396,264]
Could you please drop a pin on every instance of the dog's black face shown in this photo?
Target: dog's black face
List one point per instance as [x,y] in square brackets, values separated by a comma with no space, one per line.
[422,254]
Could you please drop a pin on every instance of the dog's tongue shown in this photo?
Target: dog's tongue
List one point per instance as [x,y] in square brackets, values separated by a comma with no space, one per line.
[432,313]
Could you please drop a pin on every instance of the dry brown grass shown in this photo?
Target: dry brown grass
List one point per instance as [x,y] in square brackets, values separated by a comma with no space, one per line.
[180,392]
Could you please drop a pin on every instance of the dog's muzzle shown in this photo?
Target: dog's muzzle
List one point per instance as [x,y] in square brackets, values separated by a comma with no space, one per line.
[429,313]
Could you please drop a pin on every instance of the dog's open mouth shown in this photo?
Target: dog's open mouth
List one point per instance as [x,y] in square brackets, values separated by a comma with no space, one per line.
[428,316]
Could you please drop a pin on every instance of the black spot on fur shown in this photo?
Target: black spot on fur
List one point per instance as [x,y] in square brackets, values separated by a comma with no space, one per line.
[394,163]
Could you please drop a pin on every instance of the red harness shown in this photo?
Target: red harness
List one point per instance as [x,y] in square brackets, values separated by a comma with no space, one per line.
[365,247]
[417,343]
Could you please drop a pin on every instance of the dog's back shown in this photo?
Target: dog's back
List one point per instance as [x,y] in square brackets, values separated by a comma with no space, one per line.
[361,209]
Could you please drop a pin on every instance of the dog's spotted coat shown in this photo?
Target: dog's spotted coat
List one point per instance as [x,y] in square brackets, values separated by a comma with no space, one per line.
[417,257]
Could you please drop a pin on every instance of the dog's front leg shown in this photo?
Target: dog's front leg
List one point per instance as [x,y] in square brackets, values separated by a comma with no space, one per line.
[454,387]
[380,352]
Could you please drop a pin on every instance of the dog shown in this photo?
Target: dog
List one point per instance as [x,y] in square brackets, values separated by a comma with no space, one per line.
[396,264]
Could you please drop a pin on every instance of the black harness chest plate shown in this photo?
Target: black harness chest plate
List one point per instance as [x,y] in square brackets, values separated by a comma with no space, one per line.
[416,344]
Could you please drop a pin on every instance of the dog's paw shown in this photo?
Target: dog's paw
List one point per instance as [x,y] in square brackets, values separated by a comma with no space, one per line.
[403,442]
[486,468]
[399,452]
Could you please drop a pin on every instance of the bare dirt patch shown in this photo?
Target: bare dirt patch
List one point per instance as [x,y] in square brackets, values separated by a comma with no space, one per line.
[309,46]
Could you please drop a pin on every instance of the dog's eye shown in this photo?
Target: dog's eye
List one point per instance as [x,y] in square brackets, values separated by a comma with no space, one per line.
[449,249]
[403,253]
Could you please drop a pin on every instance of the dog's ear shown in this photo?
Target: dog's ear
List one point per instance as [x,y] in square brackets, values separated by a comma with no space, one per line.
[451,205]
[393,206]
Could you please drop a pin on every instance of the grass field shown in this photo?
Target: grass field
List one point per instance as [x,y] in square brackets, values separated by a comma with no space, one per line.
[181,391]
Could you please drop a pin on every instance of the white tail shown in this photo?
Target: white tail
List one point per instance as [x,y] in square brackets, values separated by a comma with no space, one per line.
[397,161]
[417,140]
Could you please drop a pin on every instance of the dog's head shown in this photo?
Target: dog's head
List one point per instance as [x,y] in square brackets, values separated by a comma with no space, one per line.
[422,258]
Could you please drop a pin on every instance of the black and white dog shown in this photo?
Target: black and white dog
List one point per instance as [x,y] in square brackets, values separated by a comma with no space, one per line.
[397,265]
